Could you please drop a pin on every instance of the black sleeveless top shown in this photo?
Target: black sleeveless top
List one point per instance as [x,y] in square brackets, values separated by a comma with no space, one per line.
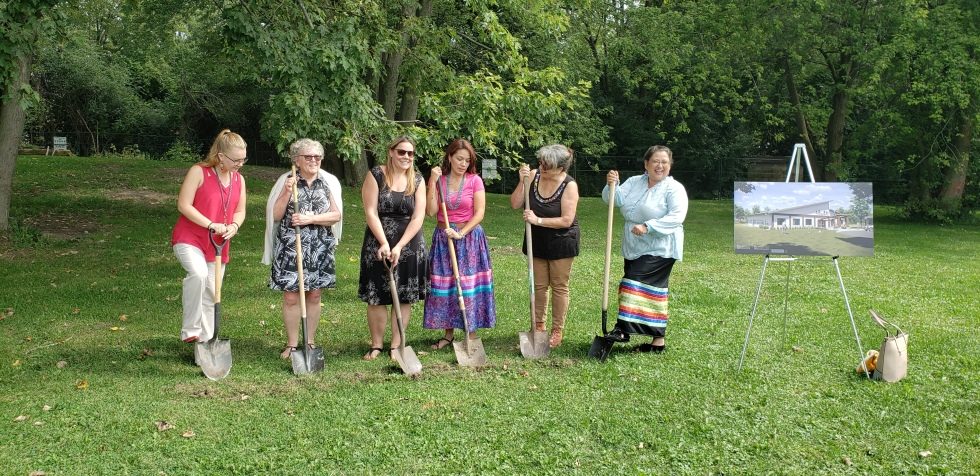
[551,243]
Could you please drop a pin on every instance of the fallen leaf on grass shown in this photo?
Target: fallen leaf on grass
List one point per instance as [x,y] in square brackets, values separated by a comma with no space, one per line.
[29,338]
[38,423]
[533,387]
[261,323]
[351,259]
[123,317]
[506,367]
[16,363]
[846,461]
[117,329]
[798,350]
[81,384]
[925,454]
[21,418]
[163,425]
[640,446]
[46,408]
[188,434]
[245,397]
[37,473]
[61,364]
[577,464]
[75,311]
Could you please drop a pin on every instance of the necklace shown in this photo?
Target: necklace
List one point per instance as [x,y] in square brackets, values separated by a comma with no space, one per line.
[221,193]
[453,205]
[553,197]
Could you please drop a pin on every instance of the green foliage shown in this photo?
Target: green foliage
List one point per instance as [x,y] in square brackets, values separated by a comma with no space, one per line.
[181,151]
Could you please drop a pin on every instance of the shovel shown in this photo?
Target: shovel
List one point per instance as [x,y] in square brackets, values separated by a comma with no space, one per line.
[600,345]
[469,352]
[405,356]
[214,356]
[534,344]
[307,360]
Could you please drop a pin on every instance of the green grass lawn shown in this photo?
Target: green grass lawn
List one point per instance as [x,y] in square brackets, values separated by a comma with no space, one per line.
[91,356]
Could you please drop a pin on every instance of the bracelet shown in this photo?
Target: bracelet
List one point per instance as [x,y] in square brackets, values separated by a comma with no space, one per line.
[236,225]
[209,226]
[539,221]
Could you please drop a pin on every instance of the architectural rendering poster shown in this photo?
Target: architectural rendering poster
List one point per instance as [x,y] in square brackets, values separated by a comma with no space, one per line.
[804,218]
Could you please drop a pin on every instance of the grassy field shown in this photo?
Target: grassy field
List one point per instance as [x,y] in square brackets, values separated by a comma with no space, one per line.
[91,365]
[803,241]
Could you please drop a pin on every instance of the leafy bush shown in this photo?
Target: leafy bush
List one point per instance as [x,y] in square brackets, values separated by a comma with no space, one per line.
[181,151]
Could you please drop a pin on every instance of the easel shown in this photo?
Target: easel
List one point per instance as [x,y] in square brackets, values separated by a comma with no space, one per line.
[799,156]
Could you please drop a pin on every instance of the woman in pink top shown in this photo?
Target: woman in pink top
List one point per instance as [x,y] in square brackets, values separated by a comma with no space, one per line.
[465,200]
[211,200]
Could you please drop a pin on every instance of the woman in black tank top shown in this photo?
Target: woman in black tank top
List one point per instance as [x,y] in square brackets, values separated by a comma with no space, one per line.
[554,233]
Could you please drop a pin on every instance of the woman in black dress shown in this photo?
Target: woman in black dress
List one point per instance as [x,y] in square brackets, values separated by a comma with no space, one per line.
[394,205]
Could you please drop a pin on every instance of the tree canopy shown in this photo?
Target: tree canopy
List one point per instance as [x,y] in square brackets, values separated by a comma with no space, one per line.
[883,91]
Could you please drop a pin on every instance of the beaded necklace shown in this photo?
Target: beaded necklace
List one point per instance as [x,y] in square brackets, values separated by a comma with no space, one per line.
[221,193]
[458,196]
[553,197]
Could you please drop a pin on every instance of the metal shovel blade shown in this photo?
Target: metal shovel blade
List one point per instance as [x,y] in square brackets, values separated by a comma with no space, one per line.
[470,353]
[214,356]
[307,361]
[601,347]
[407,360]
[534,345]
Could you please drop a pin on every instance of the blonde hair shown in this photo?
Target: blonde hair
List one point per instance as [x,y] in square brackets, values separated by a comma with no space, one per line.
[410,188]
[225,141]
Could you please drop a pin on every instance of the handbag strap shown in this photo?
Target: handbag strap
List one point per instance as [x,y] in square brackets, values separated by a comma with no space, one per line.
[884,324]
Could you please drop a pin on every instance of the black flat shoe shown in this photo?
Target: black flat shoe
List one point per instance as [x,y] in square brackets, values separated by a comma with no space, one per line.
[617,335]
[656,349]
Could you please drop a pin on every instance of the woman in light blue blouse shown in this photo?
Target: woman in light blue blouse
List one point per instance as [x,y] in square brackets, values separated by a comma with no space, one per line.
[654,206]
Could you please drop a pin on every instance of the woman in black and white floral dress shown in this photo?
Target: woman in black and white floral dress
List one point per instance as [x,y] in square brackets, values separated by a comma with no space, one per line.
[394,205]
[319,220]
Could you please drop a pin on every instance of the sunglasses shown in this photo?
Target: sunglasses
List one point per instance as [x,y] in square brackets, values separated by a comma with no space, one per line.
[311,158]
[405,153]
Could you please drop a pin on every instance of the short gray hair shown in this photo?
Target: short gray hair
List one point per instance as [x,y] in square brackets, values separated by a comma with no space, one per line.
[304,144]
[555,156]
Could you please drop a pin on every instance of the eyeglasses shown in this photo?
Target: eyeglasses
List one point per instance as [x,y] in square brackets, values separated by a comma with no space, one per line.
[660,162]
[406,153]
[311,158]
[236,162]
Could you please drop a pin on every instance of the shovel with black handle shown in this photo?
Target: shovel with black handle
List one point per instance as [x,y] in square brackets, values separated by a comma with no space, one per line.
[600,345]
[214,356]
[307,360]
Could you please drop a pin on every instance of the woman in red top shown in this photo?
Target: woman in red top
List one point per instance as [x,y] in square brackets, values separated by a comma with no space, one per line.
[211,200]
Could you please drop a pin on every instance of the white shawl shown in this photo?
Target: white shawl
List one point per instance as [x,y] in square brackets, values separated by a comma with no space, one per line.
[272,225]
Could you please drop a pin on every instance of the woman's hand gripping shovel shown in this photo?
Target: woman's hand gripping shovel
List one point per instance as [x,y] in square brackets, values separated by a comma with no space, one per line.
[469,352]
[214,356]
[534,343]
[307,360]
[600,345]
[405,356]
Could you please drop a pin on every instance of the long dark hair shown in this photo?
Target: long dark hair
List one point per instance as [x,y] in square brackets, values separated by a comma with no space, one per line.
[454,147]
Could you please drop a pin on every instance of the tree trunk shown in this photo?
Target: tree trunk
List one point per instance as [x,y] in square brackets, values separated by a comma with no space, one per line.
[835,137]
[954,179]
[11,132]
[389,92]
[801,125]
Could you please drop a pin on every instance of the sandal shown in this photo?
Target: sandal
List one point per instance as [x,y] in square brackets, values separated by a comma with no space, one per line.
[287,351]
[656,349]
[439,344]
[373,353]
[617,335]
